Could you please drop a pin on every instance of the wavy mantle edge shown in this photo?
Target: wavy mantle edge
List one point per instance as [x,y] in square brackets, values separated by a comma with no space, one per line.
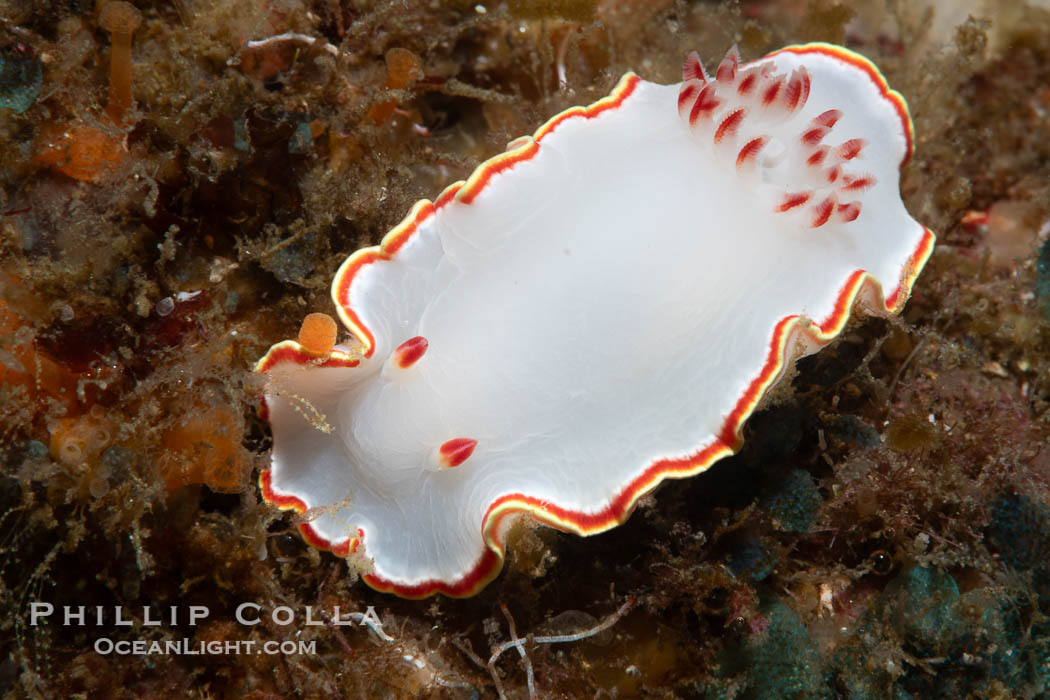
[859,286]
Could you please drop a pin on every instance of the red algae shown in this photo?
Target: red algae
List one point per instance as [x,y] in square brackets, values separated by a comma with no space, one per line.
[37,374]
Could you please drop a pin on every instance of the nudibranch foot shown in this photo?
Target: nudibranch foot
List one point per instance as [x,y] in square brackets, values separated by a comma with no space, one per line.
[595,310]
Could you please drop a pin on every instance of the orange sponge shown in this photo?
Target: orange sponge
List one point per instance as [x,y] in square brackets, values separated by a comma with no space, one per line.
[204,447]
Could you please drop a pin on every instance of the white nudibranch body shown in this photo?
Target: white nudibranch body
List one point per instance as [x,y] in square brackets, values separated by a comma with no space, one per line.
[596,310]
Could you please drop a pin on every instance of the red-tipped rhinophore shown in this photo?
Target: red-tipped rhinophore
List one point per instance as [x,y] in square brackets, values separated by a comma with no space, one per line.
[410,351]
[456,451]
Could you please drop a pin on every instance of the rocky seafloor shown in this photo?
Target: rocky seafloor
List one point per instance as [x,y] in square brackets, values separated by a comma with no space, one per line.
[884,532]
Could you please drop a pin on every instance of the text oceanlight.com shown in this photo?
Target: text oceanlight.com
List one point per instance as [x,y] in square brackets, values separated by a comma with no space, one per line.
[247,614]
[187,647]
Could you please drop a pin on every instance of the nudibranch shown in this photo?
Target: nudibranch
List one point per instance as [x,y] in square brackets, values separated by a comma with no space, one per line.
[596,310]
